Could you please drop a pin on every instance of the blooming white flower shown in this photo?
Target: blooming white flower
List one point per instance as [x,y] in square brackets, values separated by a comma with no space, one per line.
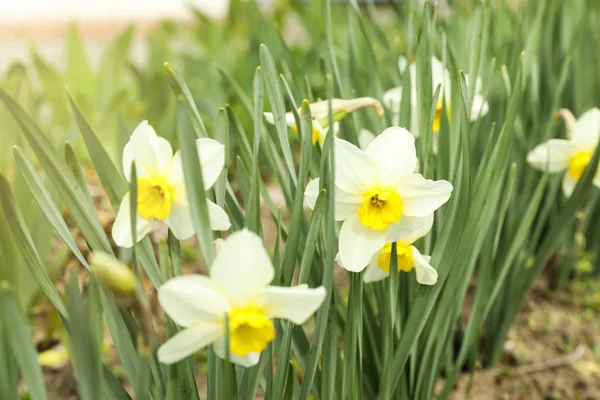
[318,132]
[408,257]
[572,154]
[320,115]
[378,196]
[161,193]
[237,287]
[440,76]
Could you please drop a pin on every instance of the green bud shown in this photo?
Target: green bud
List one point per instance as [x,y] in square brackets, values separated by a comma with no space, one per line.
[112,273]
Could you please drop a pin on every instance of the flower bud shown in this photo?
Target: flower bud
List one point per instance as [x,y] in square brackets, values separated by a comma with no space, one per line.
[342,107]
[112,273]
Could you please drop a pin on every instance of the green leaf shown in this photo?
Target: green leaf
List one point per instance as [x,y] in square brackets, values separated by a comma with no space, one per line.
[112,180]
[277,107]
[78,73]
[192,171]
[184,96]
[44,200]
[26,246]
[86,355]
[21,342]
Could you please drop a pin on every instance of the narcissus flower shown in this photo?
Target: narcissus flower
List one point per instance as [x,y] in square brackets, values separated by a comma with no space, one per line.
[161,193]
[408,257]
[378,195]
[320,114]
[572,154]
[440,76]
[237,287]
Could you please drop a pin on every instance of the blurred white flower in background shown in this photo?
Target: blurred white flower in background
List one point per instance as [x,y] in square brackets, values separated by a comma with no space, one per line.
[440,76]
[572,154]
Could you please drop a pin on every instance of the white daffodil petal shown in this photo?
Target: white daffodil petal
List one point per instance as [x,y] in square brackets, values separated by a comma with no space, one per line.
[175,175]
[358,244]
[346,204]
[269,118]
[596,181]
[149,151]
[212,159]
[568,185]
[189,341]
[365,137]
[554,155]
[421,196]
[311,193]
[246,361]
[188,299]
[586,132]
[479,108]
[440,75]
[373,273]
[395,154]
[180,220]
[295,304]
[242,267]
[426,274]
[219,220]
[355,170]
[392,99]
[121,229]
[409,229]
[402,63]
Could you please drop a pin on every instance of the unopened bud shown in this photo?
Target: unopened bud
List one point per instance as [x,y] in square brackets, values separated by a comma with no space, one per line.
[342,107]
[568,117]
[112,273]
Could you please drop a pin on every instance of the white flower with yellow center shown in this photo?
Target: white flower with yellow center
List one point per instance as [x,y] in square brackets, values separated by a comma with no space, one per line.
[320,114]
[378,195]
[440,76]
[237,288]
[161,193]
[318,132]
[408,257]
[572,154]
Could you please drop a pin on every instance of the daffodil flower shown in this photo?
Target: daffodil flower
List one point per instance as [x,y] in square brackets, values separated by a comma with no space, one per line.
[161,194]
[378,195]
[320,115]
[440,76]
[237,288]
[318,132]
[408,257]
[572,154]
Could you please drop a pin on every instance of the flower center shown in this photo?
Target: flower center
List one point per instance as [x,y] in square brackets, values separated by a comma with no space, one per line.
[155,196]
[316,133]
[249,330]
[405,257]
[380,209]
[578,163]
